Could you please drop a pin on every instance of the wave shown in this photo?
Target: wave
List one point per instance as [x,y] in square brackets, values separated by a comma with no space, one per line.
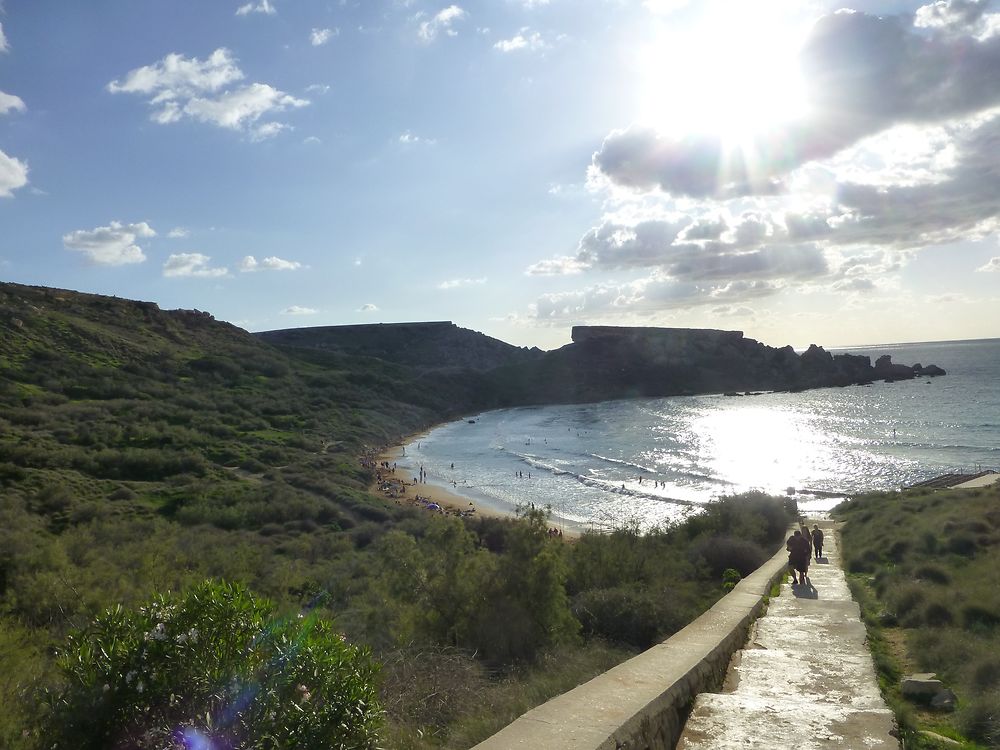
[600,484]
[621,462]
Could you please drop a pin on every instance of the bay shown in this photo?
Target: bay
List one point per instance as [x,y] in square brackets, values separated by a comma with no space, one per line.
[655,460]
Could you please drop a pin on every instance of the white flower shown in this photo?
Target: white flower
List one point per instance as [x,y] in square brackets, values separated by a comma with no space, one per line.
[159,633]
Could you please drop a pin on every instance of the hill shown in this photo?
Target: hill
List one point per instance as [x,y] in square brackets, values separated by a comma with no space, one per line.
[432,345]
[158,411]
[143,451]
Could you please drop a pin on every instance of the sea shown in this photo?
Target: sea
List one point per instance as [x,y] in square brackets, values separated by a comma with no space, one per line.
[649,462]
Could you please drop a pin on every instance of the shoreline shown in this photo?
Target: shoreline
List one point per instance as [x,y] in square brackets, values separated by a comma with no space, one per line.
[455,499]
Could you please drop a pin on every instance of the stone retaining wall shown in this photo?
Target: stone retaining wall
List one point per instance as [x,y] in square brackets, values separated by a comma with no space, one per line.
[642,703]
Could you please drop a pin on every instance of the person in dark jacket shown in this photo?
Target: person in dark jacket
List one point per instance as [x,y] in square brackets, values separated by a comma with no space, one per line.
[817,539]
[798,557]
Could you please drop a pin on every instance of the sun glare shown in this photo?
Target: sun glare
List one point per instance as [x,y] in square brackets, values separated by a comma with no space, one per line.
[732,72]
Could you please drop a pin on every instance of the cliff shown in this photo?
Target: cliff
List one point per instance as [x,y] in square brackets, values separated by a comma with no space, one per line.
[606,362]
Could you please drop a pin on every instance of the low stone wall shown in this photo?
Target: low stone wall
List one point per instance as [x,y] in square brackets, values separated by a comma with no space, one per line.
[642,703]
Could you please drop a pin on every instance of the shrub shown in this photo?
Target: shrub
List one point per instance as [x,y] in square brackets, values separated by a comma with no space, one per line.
[730,578]
[906,603]
[937,615]
[211,669]
[975,616]
[980,718]
[962,544]
[986,675]
[627,616]
[933,573]
[723,552]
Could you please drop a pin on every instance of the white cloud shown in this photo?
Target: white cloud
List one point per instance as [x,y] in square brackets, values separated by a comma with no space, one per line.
[191,265]
[990,266]
[177,77]
[113,245]
[319,37]
[317,88]
[270,263]
[245,106]
[263,6]
[369,307]
[13,175]
[564,265]
[4,47]
[11,103]
[457,283]
[525,39]
[441,23]
[734,311]
[299,310]
[181,87]
[409,138]
[311,140]
[178,233]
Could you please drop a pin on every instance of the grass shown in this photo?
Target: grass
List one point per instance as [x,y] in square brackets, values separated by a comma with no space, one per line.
[922,565]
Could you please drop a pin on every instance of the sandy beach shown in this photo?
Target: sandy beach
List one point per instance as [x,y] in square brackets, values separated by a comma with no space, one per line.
[429,491]
[434,490]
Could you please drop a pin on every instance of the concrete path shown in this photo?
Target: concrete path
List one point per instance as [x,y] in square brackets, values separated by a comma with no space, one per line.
[804,680]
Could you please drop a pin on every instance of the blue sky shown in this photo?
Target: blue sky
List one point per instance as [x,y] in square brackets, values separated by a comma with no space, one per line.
[516,166]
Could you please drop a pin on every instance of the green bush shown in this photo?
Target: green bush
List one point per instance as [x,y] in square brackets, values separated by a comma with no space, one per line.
[933,573]
[721,553]
[980,718]
[628,616]
[214,668]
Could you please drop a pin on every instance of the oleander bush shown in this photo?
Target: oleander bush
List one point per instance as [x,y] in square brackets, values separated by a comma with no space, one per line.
[214,668]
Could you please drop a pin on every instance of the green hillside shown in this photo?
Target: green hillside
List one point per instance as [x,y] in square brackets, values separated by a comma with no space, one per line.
[165,457]
[924,565]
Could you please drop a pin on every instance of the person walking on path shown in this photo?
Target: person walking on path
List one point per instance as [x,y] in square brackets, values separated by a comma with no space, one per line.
[798,557]
[817,540]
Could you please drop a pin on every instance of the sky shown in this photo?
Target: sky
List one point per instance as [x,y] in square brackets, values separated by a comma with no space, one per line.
[806,172]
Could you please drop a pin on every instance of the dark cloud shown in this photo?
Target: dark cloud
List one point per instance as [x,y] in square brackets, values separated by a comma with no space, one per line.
[774,262]
[865,73]
[917,215]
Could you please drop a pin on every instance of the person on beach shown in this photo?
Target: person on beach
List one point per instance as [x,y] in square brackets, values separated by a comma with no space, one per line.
[798,557]
[817,540]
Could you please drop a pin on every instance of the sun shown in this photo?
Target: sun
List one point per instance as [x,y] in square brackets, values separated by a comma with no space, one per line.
[730,72]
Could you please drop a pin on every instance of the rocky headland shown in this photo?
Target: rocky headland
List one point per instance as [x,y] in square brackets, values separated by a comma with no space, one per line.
[603,362]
